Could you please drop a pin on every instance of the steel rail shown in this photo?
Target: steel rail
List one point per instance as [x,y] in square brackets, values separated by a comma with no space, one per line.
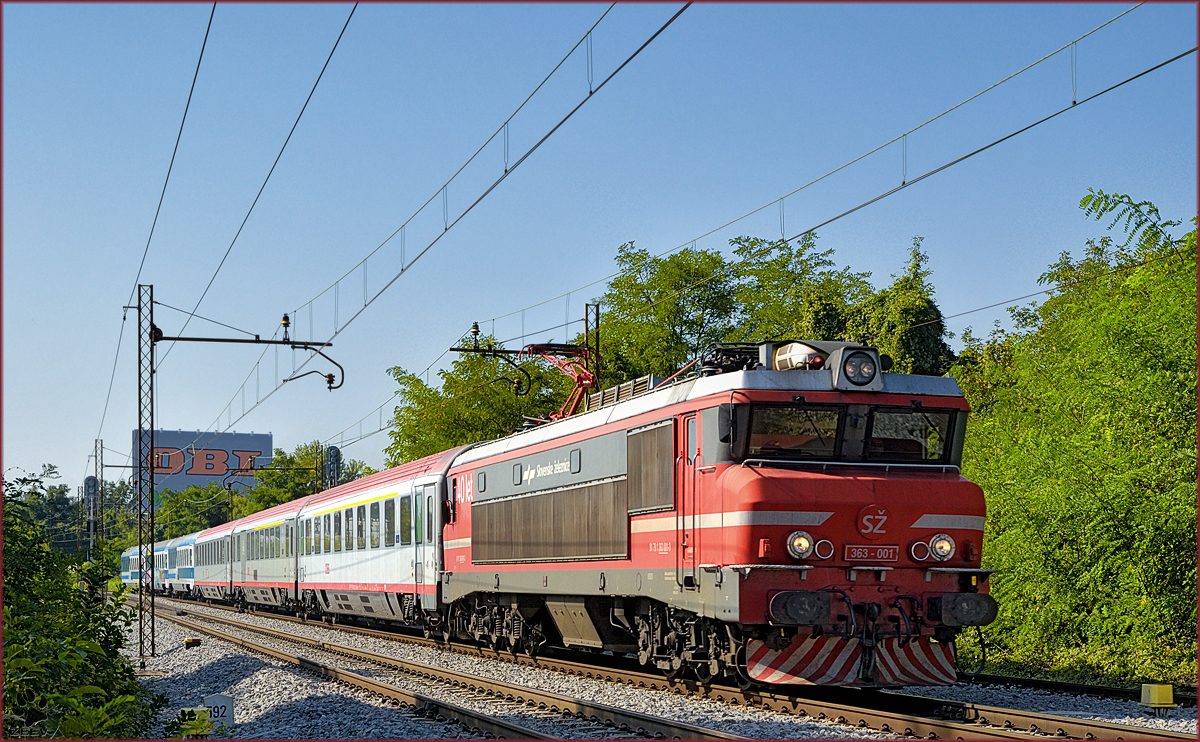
[1185,695]
[650,726]
[425,705]
[904,713]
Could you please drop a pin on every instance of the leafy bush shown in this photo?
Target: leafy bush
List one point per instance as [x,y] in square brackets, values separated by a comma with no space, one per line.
[1083,437]
[64,675]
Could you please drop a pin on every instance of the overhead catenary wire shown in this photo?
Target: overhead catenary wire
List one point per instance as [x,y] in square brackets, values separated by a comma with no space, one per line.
[914,181]
[874,200]
[441,190]
[206,319]
[154,223]
[504,126]
[834,171]
[265,180]
[881,195]
[459,218]
[367,300]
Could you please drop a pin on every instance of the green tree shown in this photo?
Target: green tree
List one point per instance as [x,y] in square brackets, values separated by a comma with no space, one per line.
[662,312]
[476,402]
[793,291]
[904,321]
[191,510]
[1083,436]
[292,475]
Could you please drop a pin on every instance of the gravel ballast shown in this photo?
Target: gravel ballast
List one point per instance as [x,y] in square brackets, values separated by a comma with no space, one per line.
[271,699]
[1110,710]
[751,722]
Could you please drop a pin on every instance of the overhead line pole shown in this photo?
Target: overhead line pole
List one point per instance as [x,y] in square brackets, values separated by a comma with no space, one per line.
[145,471]
[148,336]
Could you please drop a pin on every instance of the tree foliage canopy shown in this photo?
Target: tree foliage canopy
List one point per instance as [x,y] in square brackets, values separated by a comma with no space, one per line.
[662,312]
[476,402]
[1083,436]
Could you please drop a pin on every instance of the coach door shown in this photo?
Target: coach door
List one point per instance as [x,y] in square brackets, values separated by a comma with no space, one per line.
[427,551]
[685,486]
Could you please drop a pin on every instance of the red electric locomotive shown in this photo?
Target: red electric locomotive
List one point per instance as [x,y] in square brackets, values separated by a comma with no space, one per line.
[790,515]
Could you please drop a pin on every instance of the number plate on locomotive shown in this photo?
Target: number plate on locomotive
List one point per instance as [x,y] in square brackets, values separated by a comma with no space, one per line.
[872,553]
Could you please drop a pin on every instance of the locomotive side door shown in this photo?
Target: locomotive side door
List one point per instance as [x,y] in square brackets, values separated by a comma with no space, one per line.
[688,542]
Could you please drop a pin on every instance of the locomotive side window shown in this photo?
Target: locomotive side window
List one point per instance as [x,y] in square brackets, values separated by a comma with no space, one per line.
[909,434]
[651,456]
[361,524]
[779,431]
[406,520]
[389,522]
[691,440]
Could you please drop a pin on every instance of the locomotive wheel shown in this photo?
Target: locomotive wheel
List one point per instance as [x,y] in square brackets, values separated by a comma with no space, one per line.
[744,681]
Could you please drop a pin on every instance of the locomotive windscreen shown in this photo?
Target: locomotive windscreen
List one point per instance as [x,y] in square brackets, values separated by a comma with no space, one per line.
[905,434]
[794,431]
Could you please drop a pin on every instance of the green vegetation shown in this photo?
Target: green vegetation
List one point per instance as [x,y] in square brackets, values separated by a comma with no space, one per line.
[662,312]
[1083,436]
[64,675]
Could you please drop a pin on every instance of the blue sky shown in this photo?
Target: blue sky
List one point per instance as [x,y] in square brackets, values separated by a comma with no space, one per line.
[730,108]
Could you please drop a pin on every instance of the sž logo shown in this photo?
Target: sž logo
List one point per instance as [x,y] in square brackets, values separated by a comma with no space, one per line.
[872,522]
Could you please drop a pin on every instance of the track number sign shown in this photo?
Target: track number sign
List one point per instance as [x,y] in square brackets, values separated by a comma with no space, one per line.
[220,709]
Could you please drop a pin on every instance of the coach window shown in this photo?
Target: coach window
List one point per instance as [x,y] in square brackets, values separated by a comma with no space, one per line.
[406,520]
[362,526]
[375,525]
[389,522]
[317,535]
[328,536]
[337,531]
[417,518]
[429,515]
[349,529]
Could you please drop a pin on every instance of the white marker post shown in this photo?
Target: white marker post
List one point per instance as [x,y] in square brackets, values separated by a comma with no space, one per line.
[220,709]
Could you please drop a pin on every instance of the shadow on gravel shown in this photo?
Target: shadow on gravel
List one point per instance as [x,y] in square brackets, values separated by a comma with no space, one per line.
[335,716]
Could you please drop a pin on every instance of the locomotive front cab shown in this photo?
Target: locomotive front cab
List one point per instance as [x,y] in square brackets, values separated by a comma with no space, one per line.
[856,541]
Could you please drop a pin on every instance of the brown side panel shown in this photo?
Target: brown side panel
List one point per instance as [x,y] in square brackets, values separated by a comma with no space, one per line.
[651,457]
[589,522]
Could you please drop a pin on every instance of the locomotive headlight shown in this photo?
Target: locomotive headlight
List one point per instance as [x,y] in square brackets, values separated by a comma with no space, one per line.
[941,547]
[800,545]
[859,368]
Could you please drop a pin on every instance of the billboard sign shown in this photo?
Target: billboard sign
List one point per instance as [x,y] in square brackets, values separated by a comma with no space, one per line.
[182,458]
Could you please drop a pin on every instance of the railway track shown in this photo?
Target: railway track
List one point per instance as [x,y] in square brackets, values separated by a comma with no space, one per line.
[884,711]
[588,719]
[1184,695]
